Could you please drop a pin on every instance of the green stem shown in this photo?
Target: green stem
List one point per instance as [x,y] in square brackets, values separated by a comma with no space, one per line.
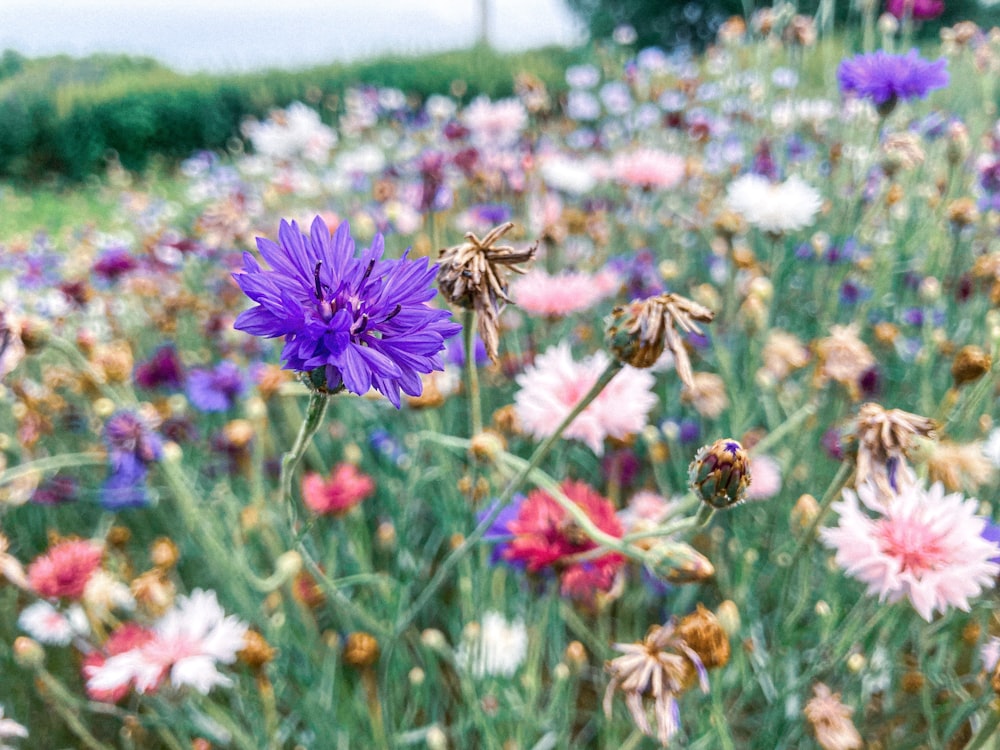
[459,553]
[66,705]
[51,463]
[987,732]
[793,422]
[313,419]
[471,373]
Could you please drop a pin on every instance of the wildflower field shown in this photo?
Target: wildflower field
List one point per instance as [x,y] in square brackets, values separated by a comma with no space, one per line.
[655,413]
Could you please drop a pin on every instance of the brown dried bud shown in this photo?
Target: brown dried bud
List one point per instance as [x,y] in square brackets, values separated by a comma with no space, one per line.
[238,432]
[576,655]
[473,276]
[154,592]
[307,591]
[705,636]
[678,563]
[803,513]
[487,445]
[361,650]
[912,682]
[256,651]
[505,420]
[962,212]
[970,364]
[164,553]
[118,536]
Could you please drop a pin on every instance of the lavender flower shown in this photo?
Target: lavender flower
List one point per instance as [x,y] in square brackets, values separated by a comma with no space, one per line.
[885,78]
[132,445]
[362,319]
[218,389]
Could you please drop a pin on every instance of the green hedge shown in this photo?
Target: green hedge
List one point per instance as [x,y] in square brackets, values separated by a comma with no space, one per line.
[70,131]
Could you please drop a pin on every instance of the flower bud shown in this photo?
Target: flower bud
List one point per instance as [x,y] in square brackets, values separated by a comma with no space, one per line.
[361,650]
[970,364]
[720,473]
[256,651]
[729,617]
[678,563]
[28,652]
[803,513]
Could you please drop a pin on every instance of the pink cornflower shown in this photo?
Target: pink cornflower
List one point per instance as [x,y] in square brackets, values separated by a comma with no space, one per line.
[495,124]
[555,384]
[922,545]
[766,478]
[345,488]
[648,168]
[563,294]
[186,646]
[545,537]
[65,569]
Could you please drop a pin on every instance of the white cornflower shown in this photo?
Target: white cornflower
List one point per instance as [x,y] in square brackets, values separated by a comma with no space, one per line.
[774,207]
[493,647]
[50,626]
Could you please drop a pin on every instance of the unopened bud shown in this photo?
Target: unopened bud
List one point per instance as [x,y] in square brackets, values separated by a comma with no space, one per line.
[28,652]
[720,473]
[803,514]
[487,445]
[678,563]
[970,364]
[361,650]
[256,651]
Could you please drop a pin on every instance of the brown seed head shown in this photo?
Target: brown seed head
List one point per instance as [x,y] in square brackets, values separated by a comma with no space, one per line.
[884,439]
[361,650]
[164,553]
[705,636]
[473,276]
[256,651]
[970,364]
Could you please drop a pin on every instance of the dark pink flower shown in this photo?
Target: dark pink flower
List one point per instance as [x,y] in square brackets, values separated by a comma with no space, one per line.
[545,537]
[65,569]
[125,638]
[918,10]
[345,488]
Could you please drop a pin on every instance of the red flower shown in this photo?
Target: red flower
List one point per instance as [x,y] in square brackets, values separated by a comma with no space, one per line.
[546,537]
[65,569]
[345,488]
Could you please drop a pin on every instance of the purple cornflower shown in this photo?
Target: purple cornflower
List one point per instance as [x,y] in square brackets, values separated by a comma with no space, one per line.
[218,389]
[114,262]
[362,319]
[163,369]
[132,445]
[885,78]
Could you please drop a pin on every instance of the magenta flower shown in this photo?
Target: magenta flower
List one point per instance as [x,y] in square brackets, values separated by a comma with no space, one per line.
[918,10]
[885,78]
[345,488]
[362,319]
[921,544]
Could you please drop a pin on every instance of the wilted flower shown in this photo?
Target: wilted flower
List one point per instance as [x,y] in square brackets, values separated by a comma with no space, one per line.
[783,353]
[707,393]
[473,276]
[361,319]
[884,440]
[922,545]
[657,668]
[493,647]
[958,466]
[346,487]
[885,78]
[831,720]
[552,387]
[720,473]
[638,333]
[843,357]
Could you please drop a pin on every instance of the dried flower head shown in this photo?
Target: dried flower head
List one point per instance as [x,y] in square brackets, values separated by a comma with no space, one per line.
[473,275]
[970,364]
[707,393]
[660,668]
[702,631]
[843,357]
[959,466]
[901,152]
[361,650]
[638,333]
[831,720]
[884,440]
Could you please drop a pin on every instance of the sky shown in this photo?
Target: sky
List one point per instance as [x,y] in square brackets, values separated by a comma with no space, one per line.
[238,35]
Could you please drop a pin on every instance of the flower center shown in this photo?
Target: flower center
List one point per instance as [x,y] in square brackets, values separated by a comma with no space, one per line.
[918,547]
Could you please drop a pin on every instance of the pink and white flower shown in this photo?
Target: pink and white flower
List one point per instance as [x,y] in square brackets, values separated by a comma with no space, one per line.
[566,293]
[10,729]
[556,383]
[187,645]
[921,544]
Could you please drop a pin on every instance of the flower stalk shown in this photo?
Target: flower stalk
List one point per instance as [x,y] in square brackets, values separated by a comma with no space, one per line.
[471,373]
